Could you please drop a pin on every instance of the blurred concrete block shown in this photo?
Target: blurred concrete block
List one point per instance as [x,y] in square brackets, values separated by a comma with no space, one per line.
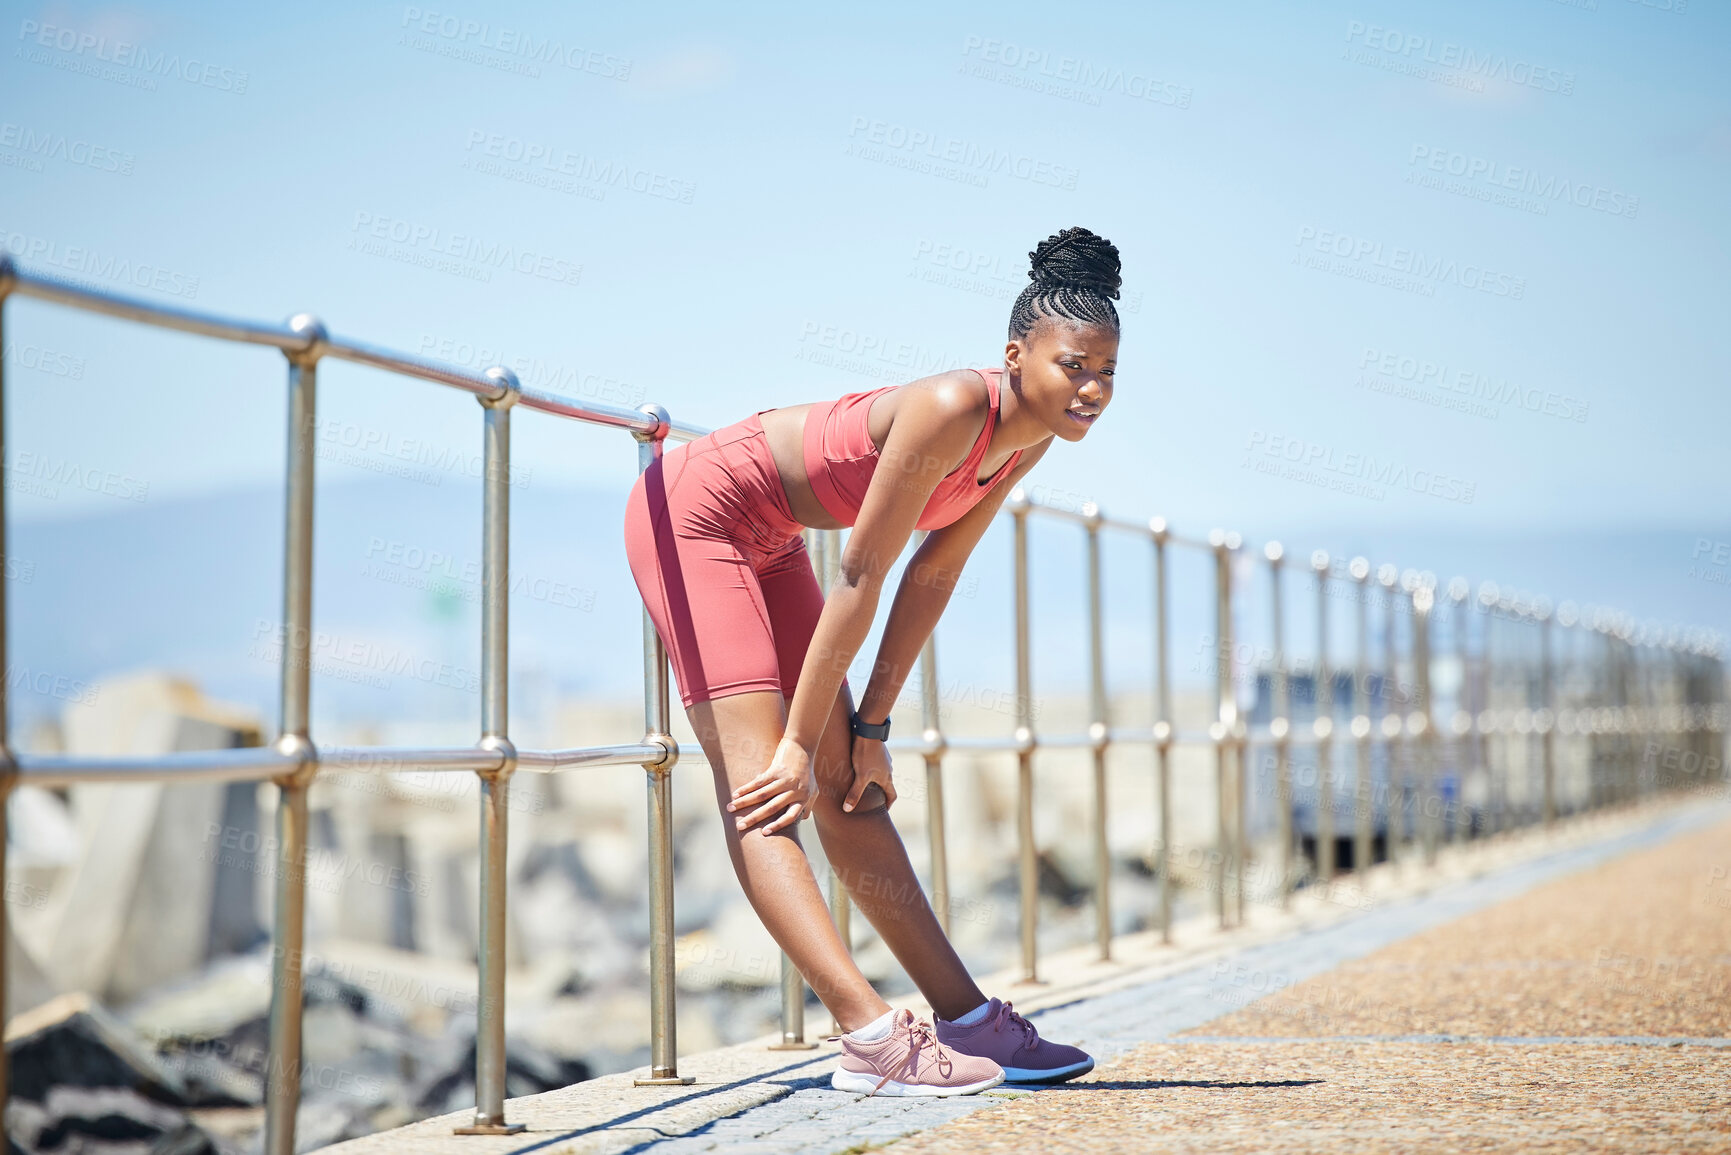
[26,985]
[165,871]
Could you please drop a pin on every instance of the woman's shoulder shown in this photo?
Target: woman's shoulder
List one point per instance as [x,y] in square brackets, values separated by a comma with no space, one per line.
[951,407]
[955,392]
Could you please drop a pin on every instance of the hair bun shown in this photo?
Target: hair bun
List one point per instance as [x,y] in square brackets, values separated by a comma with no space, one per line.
[1076,259]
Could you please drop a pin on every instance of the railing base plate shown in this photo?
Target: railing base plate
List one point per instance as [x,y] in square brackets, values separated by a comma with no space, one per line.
[490,1129]
[665,1081]
[789,1045]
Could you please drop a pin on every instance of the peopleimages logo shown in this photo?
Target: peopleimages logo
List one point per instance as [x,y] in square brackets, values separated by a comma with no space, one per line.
[1363,259]
[904,147]
[424,244]
[41,145]
[871,354]
[1470,385]
[42,475]
[1041,71]
[1482,171]
[461,33]
[1358,473]
[555,161]
[89,262]
[1414,49]
[83,51]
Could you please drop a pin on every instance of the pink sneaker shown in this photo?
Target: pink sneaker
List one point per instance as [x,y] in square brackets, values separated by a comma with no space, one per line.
[911,1061]
[1014,1044]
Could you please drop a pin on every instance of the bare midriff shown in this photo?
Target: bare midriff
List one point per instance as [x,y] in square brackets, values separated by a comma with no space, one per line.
[784,431]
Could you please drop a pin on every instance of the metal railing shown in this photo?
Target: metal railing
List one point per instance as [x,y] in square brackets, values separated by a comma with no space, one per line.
[1641,685]
[293,760]
[1647,683]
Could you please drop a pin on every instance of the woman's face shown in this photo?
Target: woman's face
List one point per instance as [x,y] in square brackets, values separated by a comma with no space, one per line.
[1065,371]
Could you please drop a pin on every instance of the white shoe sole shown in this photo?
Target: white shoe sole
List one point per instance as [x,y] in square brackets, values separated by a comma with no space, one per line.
[861,1083]
[1052,1075]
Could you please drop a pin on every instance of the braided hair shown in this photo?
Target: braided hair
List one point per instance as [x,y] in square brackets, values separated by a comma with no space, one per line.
[1074,276]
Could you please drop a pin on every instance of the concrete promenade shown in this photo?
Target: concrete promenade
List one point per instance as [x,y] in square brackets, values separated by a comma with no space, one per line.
[1562,991]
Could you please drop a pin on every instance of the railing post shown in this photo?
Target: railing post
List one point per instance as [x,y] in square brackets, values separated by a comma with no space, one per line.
[932,735]
[1568,617]
[1364,816]
[288,930]
[792,982]
[840,904]
[1604,786]
[1229,856]
[1548,708]
[1495,818]
[826,562]
[792,1010]
[1163,723]
[932,741]
[1393,714]
[658,722]
[1028,862]
[1324,726]
[1099,734]
[8,771]
[1280,727]
[1614,648]
[494,785]
[1462,726]
[1421,723]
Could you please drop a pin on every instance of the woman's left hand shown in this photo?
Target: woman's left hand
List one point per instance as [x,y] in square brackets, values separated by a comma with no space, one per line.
[871,767]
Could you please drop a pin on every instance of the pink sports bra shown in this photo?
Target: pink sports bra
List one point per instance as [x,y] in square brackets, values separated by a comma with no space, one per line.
[840,459]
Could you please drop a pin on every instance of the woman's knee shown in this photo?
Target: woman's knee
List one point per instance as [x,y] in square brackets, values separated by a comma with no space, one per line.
[738,733]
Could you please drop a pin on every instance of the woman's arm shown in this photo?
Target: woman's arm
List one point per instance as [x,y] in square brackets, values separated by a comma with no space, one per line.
[924,592]
[933,427]
[935,424]
[930,576]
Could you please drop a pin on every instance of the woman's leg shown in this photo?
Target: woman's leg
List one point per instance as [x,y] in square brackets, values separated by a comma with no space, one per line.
[701,589]
[866,850]
[863,847]
[739,733]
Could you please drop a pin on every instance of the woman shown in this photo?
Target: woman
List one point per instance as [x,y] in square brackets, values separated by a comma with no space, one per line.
[712,531]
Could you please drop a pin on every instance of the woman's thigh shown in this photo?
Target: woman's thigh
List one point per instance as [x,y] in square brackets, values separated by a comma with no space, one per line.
[703,594]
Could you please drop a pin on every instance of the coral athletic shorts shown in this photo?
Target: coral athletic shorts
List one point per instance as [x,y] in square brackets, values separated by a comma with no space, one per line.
[722,566]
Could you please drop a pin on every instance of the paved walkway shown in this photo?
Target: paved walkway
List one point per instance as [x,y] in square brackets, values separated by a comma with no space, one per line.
[1591,1013]
[1569,995]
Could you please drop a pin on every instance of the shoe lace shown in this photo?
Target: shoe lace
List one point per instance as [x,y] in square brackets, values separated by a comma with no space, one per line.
[1007,1017]
[920,1037]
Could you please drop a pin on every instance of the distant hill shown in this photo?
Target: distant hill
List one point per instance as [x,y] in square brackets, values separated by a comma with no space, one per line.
[193,585]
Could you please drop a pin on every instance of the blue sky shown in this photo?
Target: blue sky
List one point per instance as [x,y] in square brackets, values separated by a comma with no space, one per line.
[1547,360]
[1442,283]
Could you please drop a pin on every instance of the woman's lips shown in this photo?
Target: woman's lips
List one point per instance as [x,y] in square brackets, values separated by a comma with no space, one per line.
[1083,419]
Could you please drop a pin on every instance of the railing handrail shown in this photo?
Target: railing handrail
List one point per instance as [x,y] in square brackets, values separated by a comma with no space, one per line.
[305,340]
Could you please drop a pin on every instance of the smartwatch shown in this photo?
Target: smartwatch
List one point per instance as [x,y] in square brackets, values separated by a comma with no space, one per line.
[863,729]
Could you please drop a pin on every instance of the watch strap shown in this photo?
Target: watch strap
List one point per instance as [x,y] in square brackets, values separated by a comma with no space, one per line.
[880,731]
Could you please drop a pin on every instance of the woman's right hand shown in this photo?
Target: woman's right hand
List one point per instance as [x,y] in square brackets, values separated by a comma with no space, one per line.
[783,793]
